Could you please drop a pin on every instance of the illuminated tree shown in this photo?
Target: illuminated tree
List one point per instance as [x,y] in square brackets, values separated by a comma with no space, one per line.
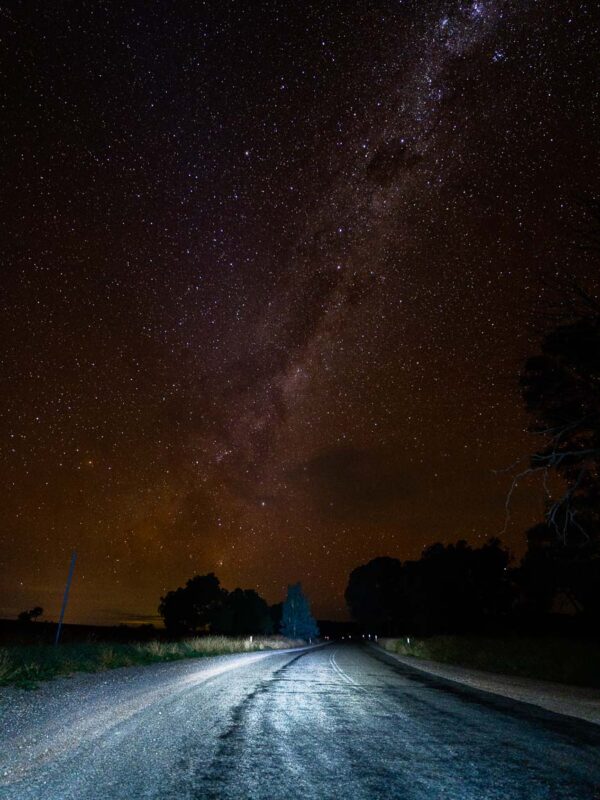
[297,622]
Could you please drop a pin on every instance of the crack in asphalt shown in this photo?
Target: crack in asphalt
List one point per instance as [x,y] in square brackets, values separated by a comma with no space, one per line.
[231,741]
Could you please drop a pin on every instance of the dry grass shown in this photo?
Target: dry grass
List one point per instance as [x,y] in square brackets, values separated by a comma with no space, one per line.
[557,659]
[27,666]
[6,666]
[212,645]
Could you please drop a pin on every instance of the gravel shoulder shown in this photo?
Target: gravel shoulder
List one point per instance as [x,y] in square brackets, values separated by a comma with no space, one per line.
[82,737]
[571,701]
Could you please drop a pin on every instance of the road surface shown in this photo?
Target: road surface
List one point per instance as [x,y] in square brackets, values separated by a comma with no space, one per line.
[338,721]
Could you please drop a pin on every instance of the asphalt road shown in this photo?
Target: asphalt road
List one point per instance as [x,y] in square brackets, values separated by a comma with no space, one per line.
[335,722]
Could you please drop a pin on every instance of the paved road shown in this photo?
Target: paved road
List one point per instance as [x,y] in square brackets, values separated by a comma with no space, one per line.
[334,722]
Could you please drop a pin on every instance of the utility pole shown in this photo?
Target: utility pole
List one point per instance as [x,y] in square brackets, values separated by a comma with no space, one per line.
[66,597]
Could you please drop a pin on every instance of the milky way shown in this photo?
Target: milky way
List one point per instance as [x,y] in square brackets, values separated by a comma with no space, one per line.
[270,272]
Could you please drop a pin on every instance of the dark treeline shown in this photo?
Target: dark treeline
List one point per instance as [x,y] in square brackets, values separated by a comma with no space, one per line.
[452,588]
[204,606]
[457,588]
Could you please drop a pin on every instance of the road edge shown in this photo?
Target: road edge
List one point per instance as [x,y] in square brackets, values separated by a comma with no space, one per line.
[568,701]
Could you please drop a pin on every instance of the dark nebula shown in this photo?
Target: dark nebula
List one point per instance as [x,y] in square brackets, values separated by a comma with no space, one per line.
[270,271]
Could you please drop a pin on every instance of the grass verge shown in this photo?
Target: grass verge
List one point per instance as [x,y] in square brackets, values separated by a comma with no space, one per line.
[25,667]
[569,661]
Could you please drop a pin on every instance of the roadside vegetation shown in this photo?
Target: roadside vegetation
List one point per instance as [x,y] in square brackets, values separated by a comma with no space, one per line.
[26,666]
[555,659]
[201,619]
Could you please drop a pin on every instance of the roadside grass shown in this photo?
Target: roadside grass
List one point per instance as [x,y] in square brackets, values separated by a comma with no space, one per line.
[24,667]
[561,660]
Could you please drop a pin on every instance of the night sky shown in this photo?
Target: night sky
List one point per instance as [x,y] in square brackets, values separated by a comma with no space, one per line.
[269,273]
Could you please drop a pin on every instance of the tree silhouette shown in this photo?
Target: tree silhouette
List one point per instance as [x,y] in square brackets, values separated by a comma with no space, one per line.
[373,594]
[194,608]
[451,588]
[243,612]
[31,615]
[296,620]
[460,588]
[276,612]
[561,390]
[553,571]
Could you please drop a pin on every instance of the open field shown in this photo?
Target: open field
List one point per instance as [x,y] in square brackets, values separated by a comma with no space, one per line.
[562,660]
[26,666]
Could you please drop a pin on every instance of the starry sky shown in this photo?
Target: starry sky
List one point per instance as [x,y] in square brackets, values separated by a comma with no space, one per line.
[269,273]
